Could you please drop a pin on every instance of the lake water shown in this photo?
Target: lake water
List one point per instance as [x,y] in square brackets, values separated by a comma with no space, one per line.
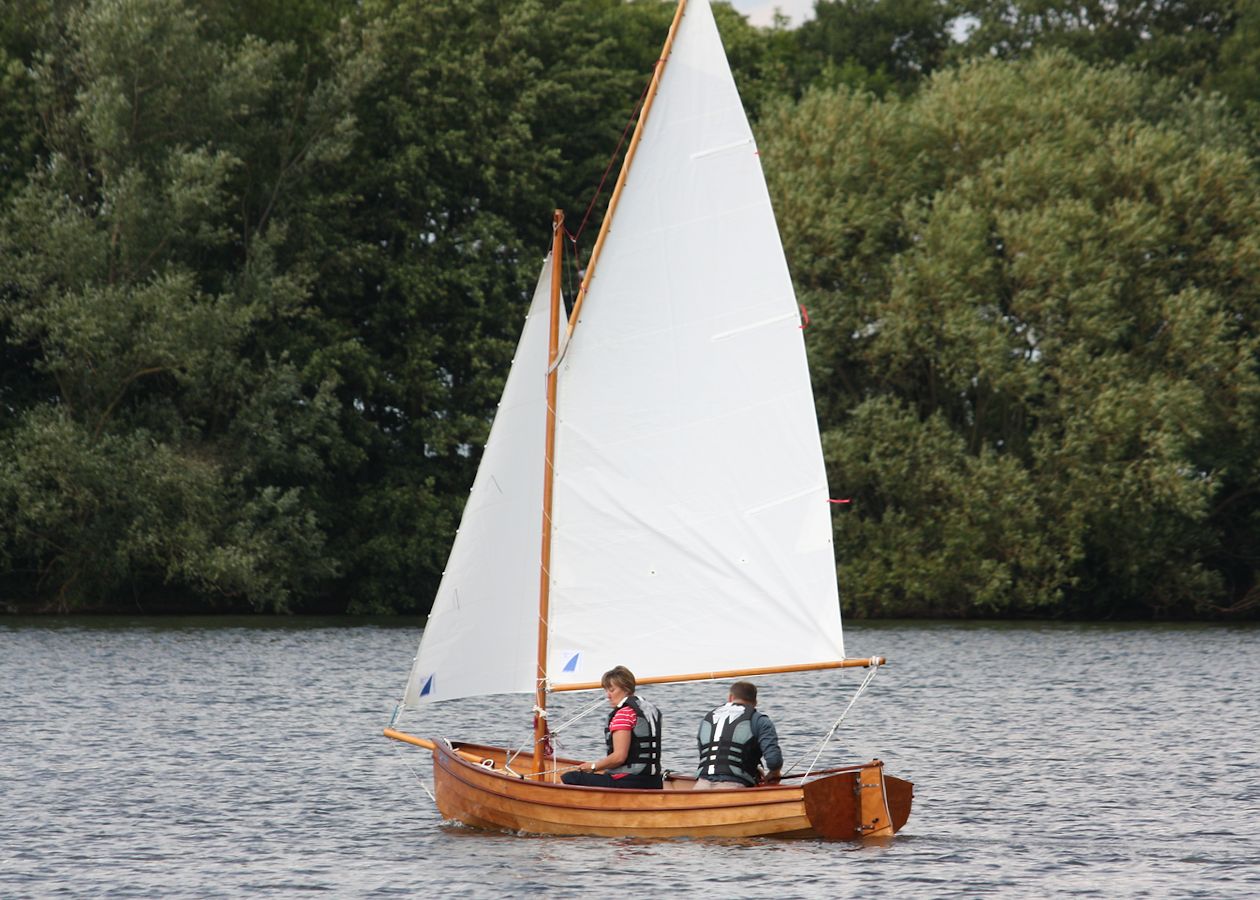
[213,758]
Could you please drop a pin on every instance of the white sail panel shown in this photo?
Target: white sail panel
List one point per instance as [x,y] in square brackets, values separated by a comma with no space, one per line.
[692,529]
[480,637]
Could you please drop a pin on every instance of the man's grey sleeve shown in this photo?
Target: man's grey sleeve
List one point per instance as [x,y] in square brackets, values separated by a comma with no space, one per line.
[769,740]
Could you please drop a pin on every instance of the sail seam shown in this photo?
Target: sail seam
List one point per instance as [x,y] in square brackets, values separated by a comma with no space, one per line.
[753,510]
[725,148]
[774,320]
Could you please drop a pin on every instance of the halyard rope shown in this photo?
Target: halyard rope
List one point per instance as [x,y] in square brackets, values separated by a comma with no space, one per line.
[573,236]
[599,189]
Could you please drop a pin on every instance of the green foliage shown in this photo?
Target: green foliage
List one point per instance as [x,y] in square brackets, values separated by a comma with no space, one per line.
[482,117]
[1042,276]
[936,529]
[1174,38]
[164,444]
[1236,74]
[114,515]
[263,263]
[21,28]
[292,245]
[876,45]
[767,62]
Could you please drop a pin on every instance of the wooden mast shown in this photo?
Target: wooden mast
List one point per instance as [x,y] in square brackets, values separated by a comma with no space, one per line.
[605,225]
[544,572]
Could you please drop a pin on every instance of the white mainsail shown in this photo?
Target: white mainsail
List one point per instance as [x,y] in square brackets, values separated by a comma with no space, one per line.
[691,527]
[480,637]
[692,530]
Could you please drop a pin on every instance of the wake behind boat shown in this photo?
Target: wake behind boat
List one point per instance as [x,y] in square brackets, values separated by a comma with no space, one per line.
[653,491]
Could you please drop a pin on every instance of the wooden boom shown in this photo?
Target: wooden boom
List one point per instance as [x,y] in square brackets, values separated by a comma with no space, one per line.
[737,673]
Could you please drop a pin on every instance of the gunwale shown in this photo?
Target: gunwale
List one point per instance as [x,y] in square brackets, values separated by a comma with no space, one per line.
[490,798]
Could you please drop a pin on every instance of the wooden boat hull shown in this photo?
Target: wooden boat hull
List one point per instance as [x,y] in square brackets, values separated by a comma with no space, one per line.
[846,804]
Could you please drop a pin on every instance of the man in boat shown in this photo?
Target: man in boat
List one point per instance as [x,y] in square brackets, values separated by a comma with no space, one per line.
[632,734]
[733,738]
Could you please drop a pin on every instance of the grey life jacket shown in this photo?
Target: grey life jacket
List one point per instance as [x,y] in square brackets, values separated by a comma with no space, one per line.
[728,743]
[644,757]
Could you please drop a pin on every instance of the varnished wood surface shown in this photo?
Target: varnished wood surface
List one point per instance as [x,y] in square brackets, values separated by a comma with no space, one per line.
[849,803]
[863,662]
[900,795]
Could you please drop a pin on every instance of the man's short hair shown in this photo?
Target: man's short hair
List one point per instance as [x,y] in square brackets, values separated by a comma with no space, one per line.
[746,691]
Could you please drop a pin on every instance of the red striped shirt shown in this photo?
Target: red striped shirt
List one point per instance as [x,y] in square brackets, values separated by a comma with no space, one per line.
[623,720]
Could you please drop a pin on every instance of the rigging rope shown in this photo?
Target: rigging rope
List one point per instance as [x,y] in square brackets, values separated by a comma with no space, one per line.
[552,732]
[581,715]
[599,189]
[423,786]
[573,236]
[822,745]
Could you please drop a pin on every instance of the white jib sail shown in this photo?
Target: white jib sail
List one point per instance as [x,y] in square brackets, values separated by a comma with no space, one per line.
[481,634]
[692,530]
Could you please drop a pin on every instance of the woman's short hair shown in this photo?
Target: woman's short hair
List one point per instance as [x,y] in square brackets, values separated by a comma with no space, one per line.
[620,676]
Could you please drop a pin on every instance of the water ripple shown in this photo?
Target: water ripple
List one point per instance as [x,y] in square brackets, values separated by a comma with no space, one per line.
[204,758]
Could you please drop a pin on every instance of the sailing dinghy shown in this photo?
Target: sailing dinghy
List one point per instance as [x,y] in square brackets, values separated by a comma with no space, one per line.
[652,493]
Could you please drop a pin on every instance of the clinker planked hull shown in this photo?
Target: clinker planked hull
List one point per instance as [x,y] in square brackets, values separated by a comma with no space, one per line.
[845,804]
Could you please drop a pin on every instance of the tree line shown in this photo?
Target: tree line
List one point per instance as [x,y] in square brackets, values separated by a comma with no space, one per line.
[263,265]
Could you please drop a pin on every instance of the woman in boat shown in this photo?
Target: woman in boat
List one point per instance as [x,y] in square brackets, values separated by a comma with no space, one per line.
[632,734]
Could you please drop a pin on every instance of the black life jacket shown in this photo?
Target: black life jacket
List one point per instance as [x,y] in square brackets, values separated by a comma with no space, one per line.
[728,743]
[644,757]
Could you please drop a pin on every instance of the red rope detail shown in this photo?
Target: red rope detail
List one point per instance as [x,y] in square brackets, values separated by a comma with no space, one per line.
[805,314]
[548,751]
[573,236]
[845,500]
